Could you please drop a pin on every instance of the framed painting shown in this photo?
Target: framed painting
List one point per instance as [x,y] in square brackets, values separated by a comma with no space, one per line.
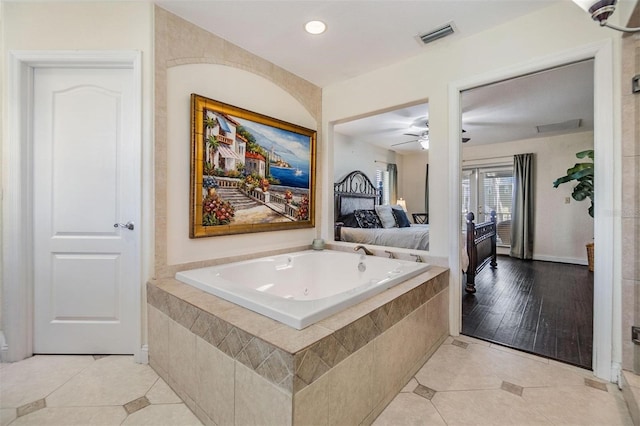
[249,172]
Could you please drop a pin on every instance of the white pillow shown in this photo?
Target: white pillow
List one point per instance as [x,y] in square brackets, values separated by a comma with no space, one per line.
[386,216]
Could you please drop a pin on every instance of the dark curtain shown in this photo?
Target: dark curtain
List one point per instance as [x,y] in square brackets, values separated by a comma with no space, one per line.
[393,183]
[426,191]
[522,216]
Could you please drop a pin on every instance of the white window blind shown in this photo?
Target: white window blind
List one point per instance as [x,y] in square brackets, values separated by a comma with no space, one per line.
[382,183]
[486,189]
[497,187]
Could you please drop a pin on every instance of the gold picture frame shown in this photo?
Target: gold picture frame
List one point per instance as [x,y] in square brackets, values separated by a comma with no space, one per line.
[249,172]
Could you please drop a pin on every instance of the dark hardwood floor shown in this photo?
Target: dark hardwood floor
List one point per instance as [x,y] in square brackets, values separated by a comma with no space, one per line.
[544,308]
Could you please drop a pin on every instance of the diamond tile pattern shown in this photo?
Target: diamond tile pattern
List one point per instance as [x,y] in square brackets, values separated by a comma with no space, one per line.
[510,387]
[69,379]
[424,392]
[137,404]
[453,389]
[596,384]
[292,372]
[460,344]
[262,357]
[578,399]
[31,407]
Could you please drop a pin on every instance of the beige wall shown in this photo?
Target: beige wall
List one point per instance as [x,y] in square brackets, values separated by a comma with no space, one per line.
[191,60]
[419,78]
[90,26]
[413,173]
[561,230]
[556,31]
[352,154]
[240,88]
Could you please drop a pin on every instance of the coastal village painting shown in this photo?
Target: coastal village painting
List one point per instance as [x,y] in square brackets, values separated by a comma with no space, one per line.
[249,172]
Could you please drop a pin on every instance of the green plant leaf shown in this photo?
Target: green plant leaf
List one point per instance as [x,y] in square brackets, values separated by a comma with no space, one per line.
[583,174]
[588,153]
[561,180]
[580,167]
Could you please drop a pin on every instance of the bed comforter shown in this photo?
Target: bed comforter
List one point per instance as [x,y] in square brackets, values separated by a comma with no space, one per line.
[414,237]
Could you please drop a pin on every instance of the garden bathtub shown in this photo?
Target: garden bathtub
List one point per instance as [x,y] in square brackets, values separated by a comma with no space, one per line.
[301,288]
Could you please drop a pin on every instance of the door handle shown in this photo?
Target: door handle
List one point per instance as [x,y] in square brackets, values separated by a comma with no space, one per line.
[129,225]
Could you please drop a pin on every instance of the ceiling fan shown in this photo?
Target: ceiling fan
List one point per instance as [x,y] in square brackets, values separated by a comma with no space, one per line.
[423,136]
[422,124]
[422,139]
[465,140]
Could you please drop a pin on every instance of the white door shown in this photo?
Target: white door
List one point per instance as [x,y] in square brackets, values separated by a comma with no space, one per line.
[86,178]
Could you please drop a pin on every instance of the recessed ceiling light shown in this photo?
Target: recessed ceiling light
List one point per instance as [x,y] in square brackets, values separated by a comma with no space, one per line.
[315,27]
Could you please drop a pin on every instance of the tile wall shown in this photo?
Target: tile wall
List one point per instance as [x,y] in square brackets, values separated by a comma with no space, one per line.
[630,231]
[265,372]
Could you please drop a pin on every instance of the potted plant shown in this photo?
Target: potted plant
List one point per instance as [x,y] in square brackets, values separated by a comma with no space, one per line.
[582,173]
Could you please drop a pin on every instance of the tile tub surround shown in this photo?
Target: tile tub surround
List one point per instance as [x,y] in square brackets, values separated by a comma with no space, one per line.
[233,366]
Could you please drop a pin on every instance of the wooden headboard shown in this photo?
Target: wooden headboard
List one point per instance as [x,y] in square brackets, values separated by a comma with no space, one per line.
[355,191]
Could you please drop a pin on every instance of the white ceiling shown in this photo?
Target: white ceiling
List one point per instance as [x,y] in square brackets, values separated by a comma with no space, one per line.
[506,111]
[361,35]
[364,35]
[512,110]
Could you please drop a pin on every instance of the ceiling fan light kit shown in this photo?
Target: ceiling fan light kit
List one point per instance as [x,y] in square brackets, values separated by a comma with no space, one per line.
[600,11]
[423,139]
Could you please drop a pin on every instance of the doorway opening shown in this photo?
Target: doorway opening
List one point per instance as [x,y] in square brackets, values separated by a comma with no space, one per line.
[540,302]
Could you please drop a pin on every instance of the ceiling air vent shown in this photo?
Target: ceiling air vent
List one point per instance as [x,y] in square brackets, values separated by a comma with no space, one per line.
[436,34]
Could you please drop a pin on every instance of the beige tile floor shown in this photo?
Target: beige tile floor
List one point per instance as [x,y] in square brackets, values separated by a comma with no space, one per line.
[466,382]
[87,390]
[471,382]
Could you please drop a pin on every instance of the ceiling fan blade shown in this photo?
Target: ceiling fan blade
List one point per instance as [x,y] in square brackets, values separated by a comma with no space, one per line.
[421,122]
[411,134]
[402,143]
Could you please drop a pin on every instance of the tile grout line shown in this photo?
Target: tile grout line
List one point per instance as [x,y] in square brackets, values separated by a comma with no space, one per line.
[44,398]
[437,410]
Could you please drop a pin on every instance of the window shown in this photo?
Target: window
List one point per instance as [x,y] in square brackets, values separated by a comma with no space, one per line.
[486,189]
[382,183]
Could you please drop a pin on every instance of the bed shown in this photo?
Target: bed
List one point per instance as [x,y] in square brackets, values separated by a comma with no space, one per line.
[481,247]
[360,217]
[356,192]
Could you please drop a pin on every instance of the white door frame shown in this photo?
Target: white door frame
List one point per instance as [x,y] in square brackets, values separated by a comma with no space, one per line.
[17,235]
[604,366]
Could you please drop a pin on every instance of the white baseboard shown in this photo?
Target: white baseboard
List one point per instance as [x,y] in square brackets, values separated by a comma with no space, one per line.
[142,357]
[4,348]
[616,374]
[503,250]
[572,260]
[545,258]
